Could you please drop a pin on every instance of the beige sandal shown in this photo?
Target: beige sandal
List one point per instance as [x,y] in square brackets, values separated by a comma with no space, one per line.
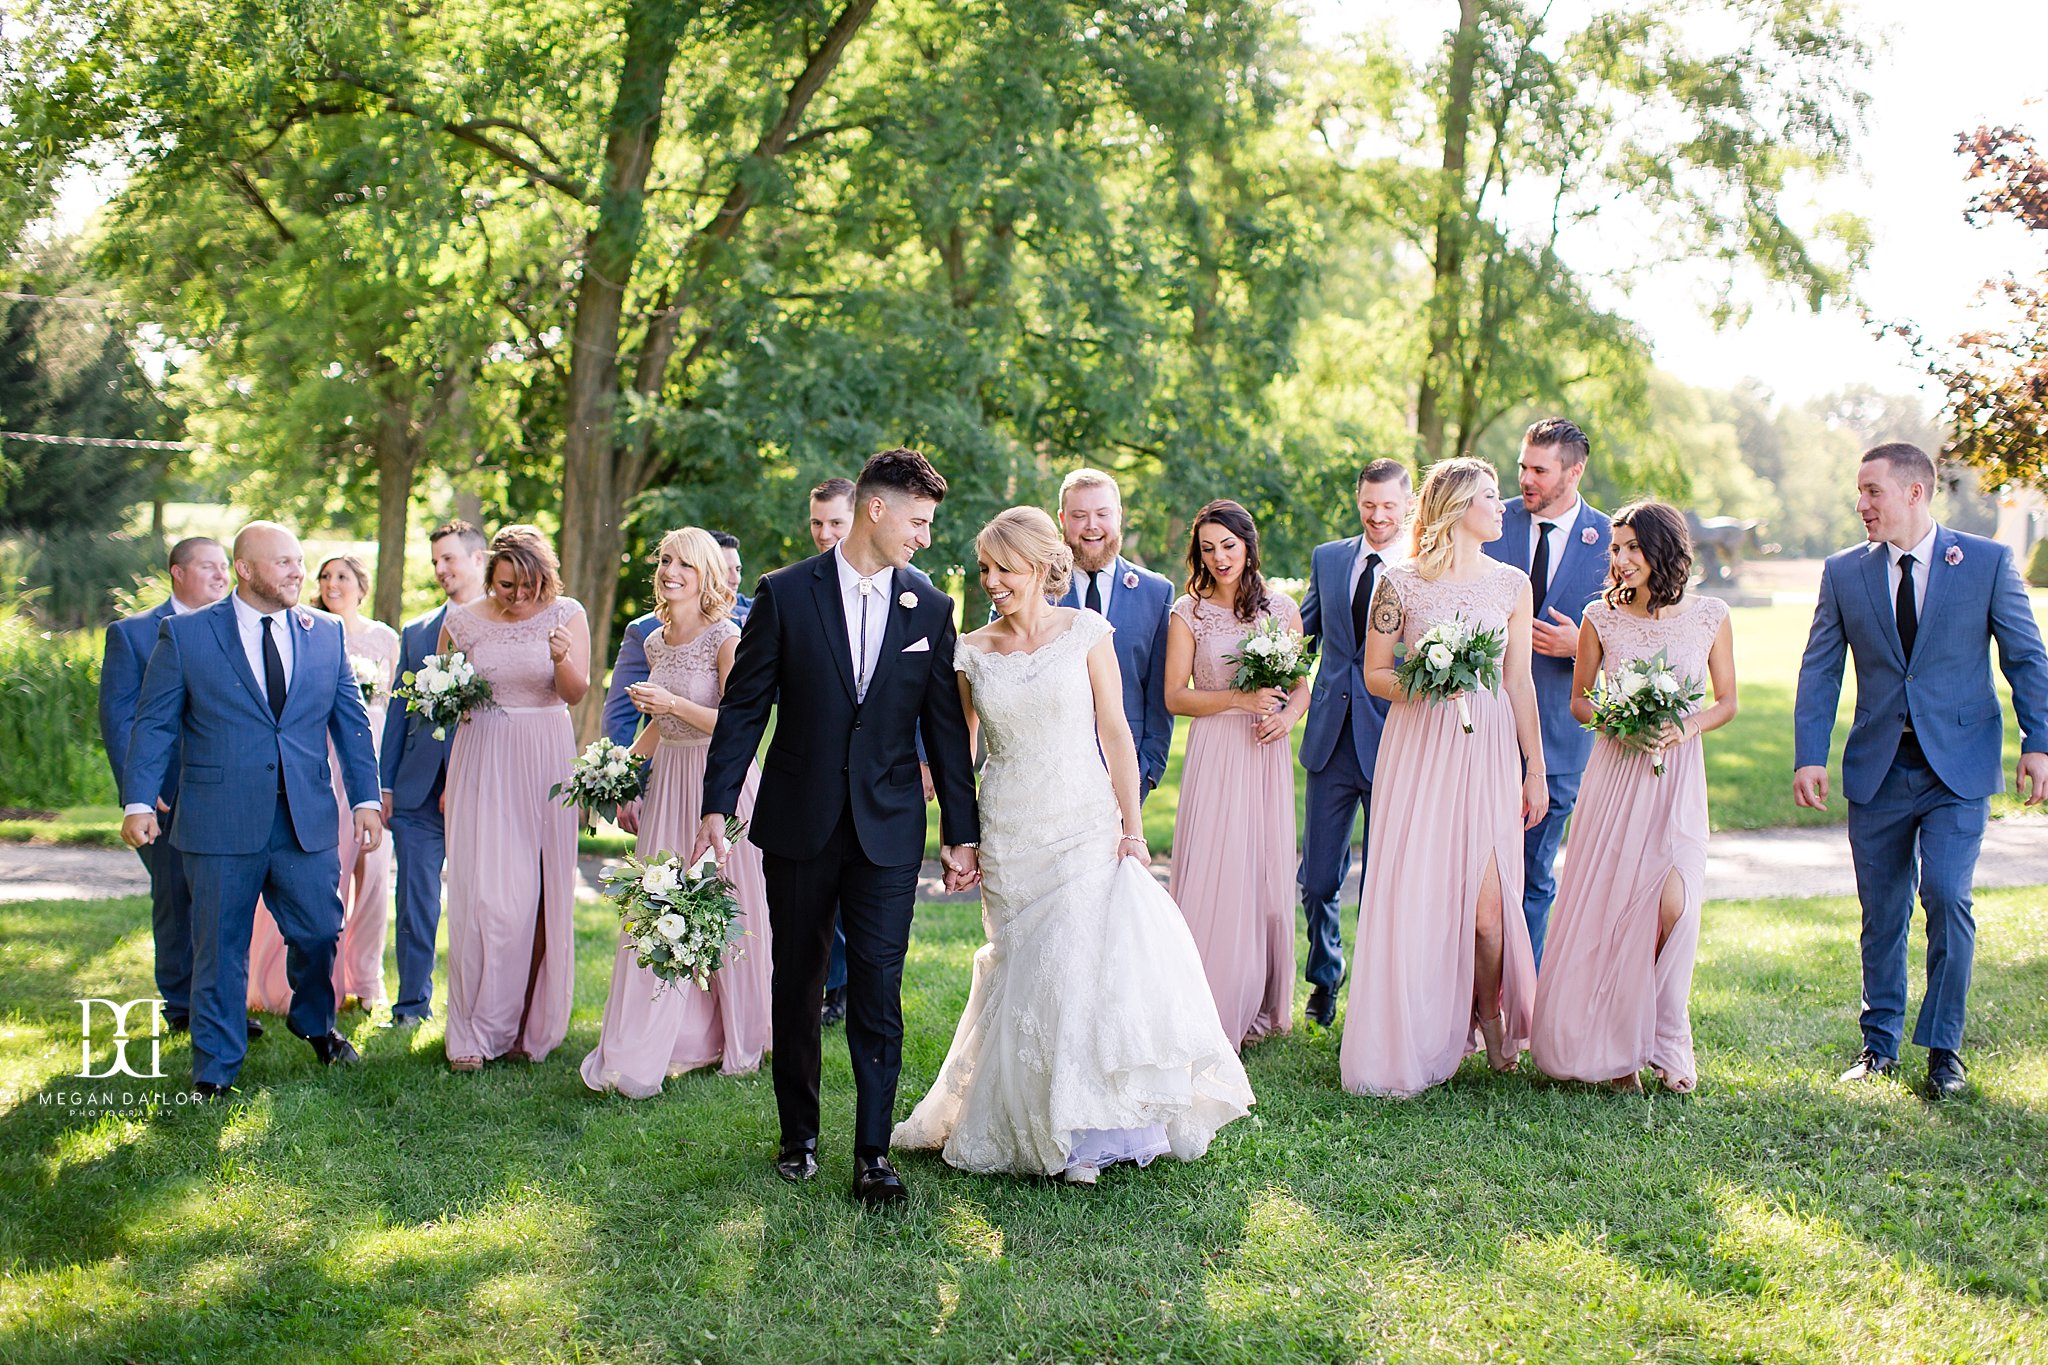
[465,1064]
[1494,1032]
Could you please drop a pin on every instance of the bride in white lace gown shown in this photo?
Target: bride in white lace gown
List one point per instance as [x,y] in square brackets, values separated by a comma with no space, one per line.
[1090,1036]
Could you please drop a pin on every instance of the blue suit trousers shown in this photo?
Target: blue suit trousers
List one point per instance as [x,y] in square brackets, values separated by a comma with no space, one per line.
[1539,857]
[421,848]
[170,923]
[1336,796]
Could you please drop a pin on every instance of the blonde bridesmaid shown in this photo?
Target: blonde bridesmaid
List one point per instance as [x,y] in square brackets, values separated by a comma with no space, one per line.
[511,846]
[1440,969]
[1617,973]
[653,1032]
[1233,835]
[344,585]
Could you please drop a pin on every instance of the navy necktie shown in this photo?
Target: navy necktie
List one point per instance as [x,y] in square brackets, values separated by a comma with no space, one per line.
[1539,571]
[1093,601]
[273,672]
[1908,613]
[1361,599]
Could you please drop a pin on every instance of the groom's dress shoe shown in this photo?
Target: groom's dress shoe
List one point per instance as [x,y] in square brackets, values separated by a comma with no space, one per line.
[206,1092]
[1322,1006]
[834,1011]
[797,1162]
[1946,1075]
[255,1028]
[1870,1066]
[875,1181]
[334,1050]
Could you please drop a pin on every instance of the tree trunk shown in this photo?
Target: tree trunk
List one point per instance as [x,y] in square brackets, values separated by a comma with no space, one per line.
[398,458]
[1446,301]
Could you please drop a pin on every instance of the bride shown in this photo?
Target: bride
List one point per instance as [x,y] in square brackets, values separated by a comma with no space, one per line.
[1090,1036]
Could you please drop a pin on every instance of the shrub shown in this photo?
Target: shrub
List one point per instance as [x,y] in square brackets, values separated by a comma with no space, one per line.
[50,753]
[2037,564]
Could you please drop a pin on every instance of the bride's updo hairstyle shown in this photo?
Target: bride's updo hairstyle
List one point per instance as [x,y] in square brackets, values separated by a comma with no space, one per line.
[1026,540]
[1447,490]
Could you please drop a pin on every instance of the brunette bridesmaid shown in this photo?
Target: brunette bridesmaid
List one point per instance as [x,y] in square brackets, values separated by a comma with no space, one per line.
[511,846]
[1439,967]
[1233,835]
[652,1032]
[1617,971]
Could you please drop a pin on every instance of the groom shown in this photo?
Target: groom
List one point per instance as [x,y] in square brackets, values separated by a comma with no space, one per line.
[852,650]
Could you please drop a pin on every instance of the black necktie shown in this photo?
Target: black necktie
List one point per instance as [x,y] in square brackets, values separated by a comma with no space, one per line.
[1093,601]
[273,671]
[1539,571]
[1361,599]
[1909,615]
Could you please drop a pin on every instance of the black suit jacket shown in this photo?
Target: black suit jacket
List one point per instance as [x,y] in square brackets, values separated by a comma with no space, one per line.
[793,658]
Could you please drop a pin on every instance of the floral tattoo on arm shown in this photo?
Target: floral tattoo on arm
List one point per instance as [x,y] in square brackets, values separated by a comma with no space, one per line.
[1386,609]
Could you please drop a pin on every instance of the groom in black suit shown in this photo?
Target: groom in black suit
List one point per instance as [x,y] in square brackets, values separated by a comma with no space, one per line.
[852,650]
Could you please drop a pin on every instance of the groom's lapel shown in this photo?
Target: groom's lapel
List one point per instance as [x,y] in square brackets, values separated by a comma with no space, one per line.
[832,616]
[1877,579]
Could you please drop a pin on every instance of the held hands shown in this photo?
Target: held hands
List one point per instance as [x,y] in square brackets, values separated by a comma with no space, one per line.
[1557,636]
[651,700]
[558,644]
[139,829]
[369,829]
[1810,786]
[710,839]
[2032,778]
[963,867]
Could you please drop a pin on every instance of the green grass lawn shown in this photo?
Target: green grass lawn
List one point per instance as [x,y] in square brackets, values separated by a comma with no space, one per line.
[397,1212]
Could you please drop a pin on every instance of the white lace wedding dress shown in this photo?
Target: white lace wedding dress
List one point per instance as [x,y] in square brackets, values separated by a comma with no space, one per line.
[1089,1035]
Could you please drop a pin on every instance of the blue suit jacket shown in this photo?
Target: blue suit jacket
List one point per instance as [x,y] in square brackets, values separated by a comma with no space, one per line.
[411,759]
[1580,577]
[621,718]
[1139,615]
[198,690]
[129,642]
[1340,667]
[1945,687]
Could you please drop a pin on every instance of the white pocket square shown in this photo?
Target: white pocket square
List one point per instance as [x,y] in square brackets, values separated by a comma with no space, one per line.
[921,647]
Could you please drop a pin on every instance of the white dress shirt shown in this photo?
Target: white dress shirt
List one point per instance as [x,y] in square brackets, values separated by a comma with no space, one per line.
[1389,557]
[1565,522]
[179,608]
[873,596]
[249,622]
[1921,553]
[1105,584]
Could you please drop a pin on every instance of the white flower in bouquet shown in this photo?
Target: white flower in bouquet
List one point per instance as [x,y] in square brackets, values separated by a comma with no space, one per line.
[660,880]
[435,681]
[1667,684]
[1271,655]
[369,675]
[1440,655]
[671,926]
[1635,703]
[1632,682]
[1451,659]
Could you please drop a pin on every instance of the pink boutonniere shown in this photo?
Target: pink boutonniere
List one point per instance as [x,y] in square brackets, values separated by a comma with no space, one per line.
[1954,556]
[1130,579]
[1589,536]
[906,599]
[304,618]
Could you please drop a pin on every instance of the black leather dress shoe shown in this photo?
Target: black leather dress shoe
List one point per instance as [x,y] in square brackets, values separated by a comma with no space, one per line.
[875,1181]
[1322,1006]
[1870,1066]
[797,1162]
[255,1028]
[177,1023]
[334,1050]
[1947,1077]
[208,1091]
[834,1011]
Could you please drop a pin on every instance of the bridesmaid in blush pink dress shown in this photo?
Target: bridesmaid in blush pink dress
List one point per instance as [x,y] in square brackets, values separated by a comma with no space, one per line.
[1233,834]
[365,877]
[1440,968]
[1617,972]
[511,846]
[651,1031]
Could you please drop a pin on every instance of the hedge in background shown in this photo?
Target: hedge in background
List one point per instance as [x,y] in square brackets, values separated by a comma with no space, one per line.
[50,753]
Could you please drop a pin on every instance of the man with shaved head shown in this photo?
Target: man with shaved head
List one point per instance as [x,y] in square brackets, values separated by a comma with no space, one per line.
[244,695]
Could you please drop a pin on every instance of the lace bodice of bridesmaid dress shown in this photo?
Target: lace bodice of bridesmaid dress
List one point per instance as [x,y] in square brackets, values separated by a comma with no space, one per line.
[513,654]
[690,670]
[1218,632]
[1485,602]
[1684,633]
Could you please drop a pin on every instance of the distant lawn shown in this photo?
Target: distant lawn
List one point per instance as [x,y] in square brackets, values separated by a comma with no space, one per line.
[397,1212]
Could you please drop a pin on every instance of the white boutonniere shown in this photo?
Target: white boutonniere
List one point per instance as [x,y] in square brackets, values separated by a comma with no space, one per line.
[1589,536]
[1130,579]
[906,599]
[1954,556]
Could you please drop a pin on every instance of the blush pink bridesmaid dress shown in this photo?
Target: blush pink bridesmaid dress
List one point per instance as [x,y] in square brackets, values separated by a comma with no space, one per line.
[1233,841]
[1445,804]
[511,846]
[1610,1002]
[652,1032]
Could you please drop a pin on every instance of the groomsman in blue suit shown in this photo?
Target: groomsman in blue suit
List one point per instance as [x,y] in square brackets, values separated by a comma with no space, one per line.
[248,692]
[1340,745]
[1560,540]
[413,772]
[199,578]
[1136,601]
[1920,607]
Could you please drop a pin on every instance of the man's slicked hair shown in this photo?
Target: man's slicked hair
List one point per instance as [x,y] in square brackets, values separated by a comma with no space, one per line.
[902,471]
[182,552]
[1383,471]
[472,539]
[1909,463]
[833,490]
[1561,435]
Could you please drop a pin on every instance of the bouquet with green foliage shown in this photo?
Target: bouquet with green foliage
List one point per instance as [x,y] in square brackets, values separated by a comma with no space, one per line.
[1271,655]
[606,776]
[681,920]
[1450,660]
[1636,702]
[443,691]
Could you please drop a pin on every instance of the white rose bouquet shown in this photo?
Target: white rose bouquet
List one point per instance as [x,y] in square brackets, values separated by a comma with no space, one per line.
[681,920]
[443,691]
[606,776]
[369,676]
[1450,660]
[1635,702]
[1270,655]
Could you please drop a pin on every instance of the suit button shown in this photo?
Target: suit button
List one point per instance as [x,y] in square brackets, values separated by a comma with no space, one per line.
[842,772]
[856,725]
